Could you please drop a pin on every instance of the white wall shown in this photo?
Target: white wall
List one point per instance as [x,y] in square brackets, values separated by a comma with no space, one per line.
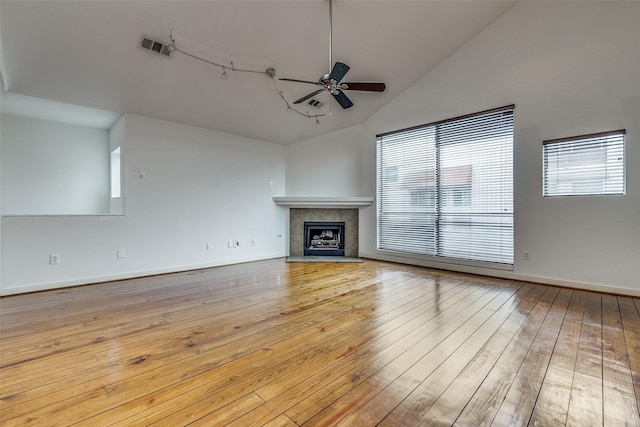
[52,168]
[570,68]
[326,166]
[200,187]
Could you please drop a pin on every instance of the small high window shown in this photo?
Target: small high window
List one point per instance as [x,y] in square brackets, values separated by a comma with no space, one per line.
[584,165]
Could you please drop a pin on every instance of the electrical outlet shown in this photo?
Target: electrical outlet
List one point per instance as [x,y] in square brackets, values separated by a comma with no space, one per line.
[526,255]
[54,259]
[371,240]
[236,243]
[120,253]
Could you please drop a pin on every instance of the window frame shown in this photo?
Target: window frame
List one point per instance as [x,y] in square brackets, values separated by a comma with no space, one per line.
[387,216]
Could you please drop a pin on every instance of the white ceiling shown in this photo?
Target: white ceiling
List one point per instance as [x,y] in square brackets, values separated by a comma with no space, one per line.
[86,53]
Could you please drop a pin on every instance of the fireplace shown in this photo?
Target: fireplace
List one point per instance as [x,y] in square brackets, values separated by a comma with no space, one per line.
[348,218]
[323,238]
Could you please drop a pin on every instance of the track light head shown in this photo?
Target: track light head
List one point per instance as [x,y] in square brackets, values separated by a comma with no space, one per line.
[171,46]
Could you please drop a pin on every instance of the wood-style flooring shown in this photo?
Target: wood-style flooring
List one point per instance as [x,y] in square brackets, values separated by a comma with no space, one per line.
[271,343]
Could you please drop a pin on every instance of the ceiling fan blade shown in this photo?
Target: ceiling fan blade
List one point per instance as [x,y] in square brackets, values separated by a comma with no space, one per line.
[302,81]
[342,99]
[369,87]
[311,95]
[338,72]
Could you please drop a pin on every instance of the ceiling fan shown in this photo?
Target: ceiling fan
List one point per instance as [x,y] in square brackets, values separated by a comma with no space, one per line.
[332,82]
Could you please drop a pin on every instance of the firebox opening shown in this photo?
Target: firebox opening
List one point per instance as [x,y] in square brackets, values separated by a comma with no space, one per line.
[324,239]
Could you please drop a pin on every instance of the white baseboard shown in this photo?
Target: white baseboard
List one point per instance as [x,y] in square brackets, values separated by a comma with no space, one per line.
[508,274]
[47,286]
[504,274]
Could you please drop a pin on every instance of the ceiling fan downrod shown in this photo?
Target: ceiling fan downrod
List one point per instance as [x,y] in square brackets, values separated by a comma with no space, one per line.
[330,34]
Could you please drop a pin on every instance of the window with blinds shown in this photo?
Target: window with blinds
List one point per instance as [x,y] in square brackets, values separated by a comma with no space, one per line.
[445,189]
[584,165]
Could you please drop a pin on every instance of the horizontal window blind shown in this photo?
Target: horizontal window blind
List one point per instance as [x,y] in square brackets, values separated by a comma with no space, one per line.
[584,165]
[446,189]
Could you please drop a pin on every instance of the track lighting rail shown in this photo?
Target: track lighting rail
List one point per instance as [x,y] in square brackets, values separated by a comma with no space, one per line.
[270,72]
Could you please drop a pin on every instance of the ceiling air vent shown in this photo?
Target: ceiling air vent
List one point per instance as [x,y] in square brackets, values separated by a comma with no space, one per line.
[156,47]
[315,103]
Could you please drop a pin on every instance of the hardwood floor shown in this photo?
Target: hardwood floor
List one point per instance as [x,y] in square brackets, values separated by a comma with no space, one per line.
[276,344]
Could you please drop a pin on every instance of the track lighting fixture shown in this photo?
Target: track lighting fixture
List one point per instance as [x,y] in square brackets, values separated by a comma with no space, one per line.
[271,72]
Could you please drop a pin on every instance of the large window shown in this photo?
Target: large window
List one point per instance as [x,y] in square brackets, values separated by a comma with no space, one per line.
[445,189]
[584,165]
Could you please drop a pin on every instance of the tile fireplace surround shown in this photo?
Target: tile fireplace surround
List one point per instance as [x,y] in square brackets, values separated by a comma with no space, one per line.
[298,216]
[323,209]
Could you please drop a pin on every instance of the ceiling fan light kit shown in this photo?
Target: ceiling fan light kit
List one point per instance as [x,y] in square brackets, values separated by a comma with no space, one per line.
[330,82]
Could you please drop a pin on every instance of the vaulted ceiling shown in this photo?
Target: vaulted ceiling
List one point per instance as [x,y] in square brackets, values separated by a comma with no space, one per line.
[87,53]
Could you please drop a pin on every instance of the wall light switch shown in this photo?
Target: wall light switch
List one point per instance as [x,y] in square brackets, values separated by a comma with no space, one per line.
[54,259]
[120,253]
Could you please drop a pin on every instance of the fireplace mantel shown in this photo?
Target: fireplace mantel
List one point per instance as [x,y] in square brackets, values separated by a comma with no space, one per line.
[323,202]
